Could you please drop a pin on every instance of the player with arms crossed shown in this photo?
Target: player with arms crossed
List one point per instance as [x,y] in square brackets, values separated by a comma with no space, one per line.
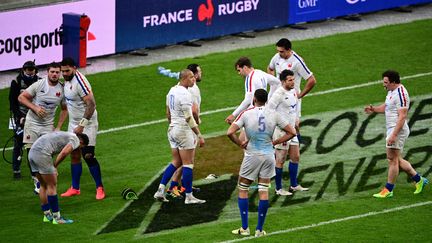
[183,133]
[41,163]
[81,107]
[254,79]
[396,109]
[259,123]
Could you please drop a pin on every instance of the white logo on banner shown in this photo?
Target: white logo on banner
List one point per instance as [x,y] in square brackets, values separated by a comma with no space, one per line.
[307,3]
[355,1]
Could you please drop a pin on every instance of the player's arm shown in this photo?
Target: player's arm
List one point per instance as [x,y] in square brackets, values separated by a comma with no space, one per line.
[90,102]
[63,115]
[195,113]
[168,114]
[270,71]
[232,134]
[26,99]
[290,132]
[274,84]
[193,125]
[311,81]
[402,115]
[243,106]
[370,109]
[63,154]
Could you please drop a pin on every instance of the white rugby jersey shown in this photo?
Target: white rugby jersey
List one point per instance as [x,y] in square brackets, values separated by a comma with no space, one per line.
[196,95]
[294,63]
[257,79]
[74,91]
[396,99]
[179,99]
[259,124]
[53,142]
[285,102]
[46,96]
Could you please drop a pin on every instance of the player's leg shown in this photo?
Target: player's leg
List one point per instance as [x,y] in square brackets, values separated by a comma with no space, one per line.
[168,173]
[51,182]
[420,182]
[293,166]
[186,155]
[243,204]
[280,156]
[263,205]
[392,174]
[173,190]
[29,137]
[17,155]
[88,153]
[43,197]
[76,171]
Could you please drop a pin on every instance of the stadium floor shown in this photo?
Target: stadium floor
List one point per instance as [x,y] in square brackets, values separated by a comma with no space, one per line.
[232,42]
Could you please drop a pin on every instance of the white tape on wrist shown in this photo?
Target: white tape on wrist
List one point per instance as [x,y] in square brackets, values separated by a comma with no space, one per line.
[84,122]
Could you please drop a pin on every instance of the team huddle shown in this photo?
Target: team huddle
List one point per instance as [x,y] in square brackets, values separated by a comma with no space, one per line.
[266,125]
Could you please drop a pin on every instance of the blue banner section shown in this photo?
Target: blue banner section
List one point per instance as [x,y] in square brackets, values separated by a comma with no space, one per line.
[310,10]
[150,23]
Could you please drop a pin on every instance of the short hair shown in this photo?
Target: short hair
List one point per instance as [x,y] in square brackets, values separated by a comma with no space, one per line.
[261,95]
[243,61]
[183,73]
[83,137]
[53,65]
[392,75]
[68,61]
[285,73]
[193,67]
[285,43]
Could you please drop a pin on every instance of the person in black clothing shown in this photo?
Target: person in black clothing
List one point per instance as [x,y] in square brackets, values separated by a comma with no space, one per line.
[26,77]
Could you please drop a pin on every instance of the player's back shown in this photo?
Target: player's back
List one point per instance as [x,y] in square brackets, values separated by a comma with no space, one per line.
[178,99]
[53,142]
[259,124]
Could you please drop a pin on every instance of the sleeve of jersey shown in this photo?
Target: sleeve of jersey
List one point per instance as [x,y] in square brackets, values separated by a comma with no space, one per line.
[302,68]
[403,98]
[239,121]
[84,87]
[32,90]
[74,141]
[245,104]
[272,65]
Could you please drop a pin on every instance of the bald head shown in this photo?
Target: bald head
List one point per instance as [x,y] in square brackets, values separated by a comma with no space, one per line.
[187,78]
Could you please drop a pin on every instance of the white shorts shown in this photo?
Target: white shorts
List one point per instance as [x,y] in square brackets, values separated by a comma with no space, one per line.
[285,145]
[41,163]
[31,133]
[182,138]
[400,140]
[90,130]
[258,166]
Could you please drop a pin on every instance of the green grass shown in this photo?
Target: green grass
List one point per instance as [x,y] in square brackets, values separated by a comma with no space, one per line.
[131,158]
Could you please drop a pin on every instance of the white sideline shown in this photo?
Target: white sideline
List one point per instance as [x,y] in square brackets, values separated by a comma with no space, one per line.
[115,129]
[373,213]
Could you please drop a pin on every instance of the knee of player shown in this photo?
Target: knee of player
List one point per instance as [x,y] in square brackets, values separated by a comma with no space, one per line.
[88,156]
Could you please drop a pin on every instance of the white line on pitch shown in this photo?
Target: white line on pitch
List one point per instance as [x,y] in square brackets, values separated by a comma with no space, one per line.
[373,213]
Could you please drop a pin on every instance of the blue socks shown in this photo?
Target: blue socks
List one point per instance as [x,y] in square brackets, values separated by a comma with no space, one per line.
[45,207]
[187,179]
[76,170]
[173,184]
[243,204]
[293,169]
[416,178]
[389,186]
[53,203]
[262,212]
[96,173]
[278,178]
[169,171]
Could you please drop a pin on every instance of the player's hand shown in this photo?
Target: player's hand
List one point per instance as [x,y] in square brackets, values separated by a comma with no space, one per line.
[369,109]
[230,119]
[391,140]
[201,141]
[41,112]
[244,144]
[78,130]
[56,129]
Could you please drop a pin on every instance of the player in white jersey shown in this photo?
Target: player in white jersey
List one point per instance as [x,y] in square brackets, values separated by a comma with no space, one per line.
[285,102]
[175,190]
[396,109]
[41,162]
[42,98]
[81,107]
[259,124]
[254,79]
[183,133]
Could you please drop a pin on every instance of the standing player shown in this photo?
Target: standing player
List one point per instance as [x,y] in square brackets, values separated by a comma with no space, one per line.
[41,163]
[396,108]
[259,123]
[42,98]
[254,79]
[81,106]
[174,189]
[285,102]
[183,132]
[26,77]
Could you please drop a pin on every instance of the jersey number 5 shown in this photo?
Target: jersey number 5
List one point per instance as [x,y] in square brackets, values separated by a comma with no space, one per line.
[261,124]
